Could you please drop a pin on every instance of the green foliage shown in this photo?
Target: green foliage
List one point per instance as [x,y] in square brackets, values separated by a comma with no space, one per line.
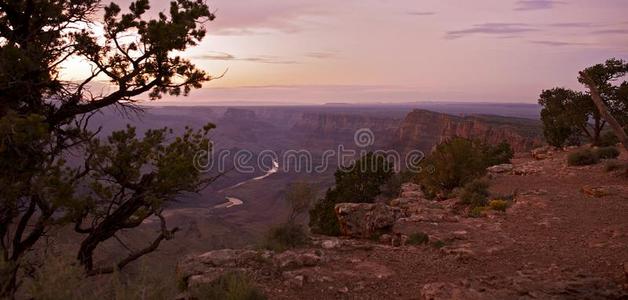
[498,154]
[606,152]
[455,163]
[477,212]
[499,205]
[231,286]
[608,139]
[439,244]
[418,238]
[582,157]
[475,193]
[565,113]
[113,184]
[614,165]
[285,236]
[359,183]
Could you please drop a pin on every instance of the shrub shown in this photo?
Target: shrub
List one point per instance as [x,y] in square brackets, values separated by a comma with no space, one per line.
[582,157]
[608,139]
[285,236]
[475,193]
[418,238]
[231,286]
[439,244]
[499,205]
[323,218]
[501,153]
[613,165]
[359,183]
[477,212]
[455,163]
[606,152]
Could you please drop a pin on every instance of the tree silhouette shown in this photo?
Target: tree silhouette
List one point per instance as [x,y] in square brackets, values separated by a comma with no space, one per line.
[119,181]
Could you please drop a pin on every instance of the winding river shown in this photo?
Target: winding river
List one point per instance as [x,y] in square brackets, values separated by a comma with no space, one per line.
[232,201]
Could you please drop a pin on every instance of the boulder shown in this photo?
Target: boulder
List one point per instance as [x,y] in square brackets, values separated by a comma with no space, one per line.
[411,190]
[543,152]
[498,169]
[362,220]
[294,260]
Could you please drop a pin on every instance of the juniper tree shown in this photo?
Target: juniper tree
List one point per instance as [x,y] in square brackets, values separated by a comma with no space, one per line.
[118,181]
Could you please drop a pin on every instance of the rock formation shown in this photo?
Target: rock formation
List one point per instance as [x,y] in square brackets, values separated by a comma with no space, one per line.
[422,129]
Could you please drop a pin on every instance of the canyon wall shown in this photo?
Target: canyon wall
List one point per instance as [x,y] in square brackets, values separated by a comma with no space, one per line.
[422,129]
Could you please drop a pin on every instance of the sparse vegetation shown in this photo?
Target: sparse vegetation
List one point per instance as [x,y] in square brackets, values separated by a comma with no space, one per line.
[285,236]
[475,193]
[614,165]
[231,286]
[582,157]
[607,152]
[477,212]
[418,238]
[608,139]
[360,183]
[459,161]
[499,205]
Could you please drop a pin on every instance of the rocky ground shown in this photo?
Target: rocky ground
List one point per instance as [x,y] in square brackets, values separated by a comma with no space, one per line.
[563,236]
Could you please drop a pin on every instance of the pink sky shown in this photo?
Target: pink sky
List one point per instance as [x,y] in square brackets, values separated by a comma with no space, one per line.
[298,51]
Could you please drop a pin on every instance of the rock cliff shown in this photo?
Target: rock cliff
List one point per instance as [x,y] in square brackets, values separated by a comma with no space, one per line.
[422,129]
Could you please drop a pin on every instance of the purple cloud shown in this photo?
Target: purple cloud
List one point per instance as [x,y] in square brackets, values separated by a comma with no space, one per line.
[420,13]
[557,43]
[266,59]
[611,31]
[536,4]
[496,29]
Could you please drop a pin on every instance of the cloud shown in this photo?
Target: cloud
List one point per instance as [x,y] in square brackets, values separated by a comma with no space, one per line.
[536,4]
[320,55]
[420,13]
[558,43]
[503,30]
[572,25]
[611,31]
[266,59]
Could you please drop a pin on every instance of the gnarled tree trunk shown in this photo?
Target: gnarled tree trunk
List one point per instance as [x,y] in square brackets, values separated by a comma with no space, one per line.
[597,99]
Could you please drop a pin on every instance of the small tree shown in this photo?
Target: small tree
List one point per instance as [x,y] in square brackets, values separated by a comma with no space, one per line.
[566,113]
[300,196]
[610,100]
[359,183]
[455,162]
[111,185]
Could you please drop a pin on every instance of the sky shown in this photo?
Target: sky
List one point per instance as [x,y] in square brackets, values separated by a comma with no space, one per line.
[387,51]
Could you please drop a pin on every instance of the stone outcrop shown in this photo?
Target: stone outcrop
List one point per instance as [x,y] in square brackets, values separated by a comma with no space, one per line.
[362,220]
[210,266]
[422,129]
[498,169]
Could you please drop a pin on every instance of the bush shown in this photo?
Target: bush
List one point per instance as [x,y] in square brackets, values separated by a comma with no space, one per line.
[231,286]
[477,212]
[418,238]
[582,158]
[613,165]
[285,236]
[501,153]
[359,183]
[323,218]
[499,205]
[606,152]
[455,163]
[475,193]
[608,139]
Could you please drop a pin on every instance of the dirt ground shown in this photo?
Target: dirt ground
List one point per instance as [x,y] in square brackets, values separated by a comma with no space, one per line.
[552,224]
